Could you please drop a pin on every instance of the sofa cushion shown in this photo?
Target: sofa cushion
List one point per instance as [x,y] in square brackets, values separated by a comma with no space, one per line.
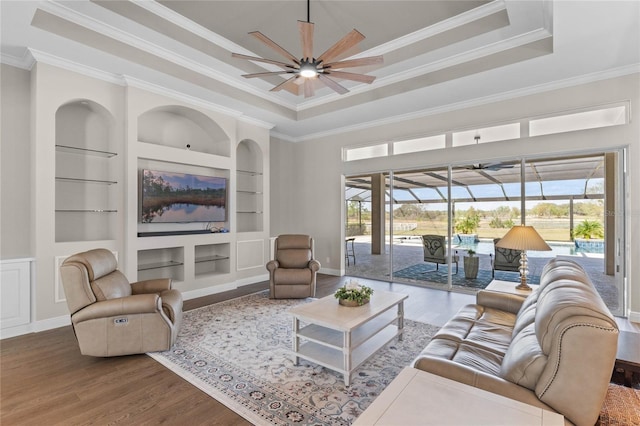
[526,316]
[459,353]
[475,325]
[524,361]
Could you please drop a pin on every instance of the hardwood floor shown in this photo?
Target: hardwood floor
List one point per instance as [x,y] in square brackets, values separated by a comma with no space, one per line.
[45,379]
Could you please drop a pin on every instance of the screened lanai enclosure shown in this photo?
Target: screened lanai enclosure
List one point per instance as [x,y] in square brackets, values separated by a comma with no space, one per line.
[571,202]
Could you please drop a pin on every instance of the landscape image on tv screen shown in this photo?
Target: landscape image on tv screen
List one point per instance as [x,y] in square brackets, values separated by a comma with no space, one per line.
[179,197]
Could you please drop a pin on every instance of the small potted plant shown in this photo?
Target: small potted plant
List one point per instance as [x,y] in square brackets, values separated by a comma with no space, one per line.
[353,294]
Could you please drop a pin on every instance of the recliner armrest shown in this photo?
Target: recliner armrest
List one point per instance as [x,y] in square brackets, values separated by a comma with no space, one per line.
[157,285]
[314,265]
[272,265]
[136,304]
[172,304]
[498,300]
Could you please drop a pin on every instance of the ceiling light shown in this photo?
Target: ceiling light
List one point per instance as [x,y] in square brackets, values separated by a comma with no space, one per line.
[308,70]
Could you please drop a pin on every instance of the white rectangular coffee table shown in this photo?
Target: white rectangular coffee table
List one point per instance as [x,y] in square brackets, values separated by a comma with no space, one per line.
[341,338]
[416,397]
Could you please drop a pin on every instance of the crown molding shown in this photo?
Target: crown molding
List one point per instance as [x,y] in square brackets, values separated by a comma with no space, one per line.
[490,49]
[122,36]
[437,28]
[49,59]
[531,90]
[170,15]
[124,80]
[160,90]
[25,62]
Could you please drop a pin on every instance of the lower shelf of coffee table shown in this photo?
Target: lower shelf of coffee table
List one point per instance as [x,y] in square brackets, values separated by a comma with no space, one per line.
[332,356]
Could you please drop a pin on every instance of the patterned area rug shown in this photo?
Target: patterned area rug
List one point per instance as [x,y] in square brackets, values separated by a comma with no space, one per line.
[621,407]
[428,272]
[238,352]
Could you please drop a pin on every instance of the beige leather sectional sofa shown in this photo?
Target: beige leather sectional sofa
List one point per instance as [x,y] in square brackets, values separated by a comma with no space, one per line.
[554,349]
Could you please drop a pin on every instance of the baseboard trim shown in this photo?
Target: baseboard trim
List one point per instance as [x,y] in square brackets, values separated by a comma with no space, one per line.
[36,327]
[634,316]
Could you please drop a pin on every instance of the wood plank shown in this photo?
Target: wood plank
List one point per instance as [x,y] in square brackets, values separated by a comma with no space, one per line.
[45,380]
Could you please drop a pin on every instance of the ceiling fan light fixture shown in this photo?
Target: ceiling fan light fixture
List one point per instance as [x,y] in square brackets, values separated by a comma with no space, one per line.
[308,69]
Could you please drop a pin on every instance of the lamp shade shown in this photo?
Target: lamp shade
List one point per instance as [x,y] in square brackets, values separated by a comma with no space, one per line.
[522,238]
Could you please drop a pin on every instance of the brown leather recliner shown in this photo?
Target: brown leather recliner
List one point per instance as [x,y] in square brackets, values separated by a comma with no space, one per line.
[112,317]
[293,271]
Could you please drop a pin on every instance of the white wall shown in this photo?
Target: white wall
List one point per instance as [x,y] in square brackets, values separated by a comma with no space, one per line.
[30,100]
[316,191]
[15,173]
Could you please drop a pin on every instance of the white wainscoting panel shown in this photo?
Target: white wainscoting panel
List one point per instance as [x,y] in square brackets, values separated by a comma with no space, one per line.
[15,293]
[250,254]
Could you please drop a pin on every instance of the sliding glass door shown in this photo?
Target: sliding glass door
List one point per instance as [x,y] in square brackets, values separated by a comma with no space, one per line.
[420,226]
[437,226]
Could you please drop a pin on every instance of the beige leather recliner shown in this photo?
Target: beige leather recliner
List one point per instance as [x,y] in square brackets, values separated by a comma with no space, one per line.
[293,271]
[112,317]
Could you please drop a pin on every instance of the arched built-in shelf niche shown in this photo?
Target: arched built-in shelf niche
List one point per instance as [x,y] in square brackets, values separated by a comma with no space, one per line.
[86,173]
[250,187]
[177,126]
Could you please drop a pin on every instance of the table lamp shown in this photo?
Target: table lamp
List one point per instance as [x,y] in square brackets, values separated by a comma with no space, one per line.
[523,238]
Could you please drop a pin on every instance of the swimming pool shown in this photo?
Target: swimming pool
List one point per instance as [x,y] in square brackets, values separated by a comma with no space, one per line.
[485,246]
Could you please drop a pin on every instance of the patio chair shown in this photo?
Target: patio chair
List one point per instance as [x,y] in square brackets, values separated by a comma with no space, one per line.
[434,251]
[505,259]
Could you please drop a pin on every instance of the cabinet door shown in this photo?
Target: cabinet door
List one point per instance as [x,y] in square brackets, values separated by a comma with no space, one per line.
[15,294]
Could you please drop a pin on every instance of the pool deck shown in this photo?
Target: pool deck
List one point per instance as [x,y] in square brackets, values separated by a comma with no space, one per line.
[408,251]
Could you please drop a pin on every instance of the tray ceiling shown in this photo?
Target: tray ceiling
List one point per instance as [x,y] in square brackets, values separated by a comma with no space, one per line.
[436,52]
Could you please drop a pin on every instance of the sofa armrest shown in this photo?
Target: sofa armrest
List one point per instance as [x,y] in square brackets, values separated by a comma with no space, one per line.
[478,379]
[136,304]
[157,285]
[498,300]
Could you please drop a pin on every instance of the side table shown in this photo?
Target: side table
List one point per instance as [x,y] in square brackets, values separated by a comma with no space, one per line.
[628,357]
[509,287]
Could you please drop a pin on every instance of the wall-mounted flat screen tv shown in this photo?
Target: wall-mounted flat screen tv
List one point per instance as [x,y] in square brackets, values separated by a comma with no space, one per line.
[169,197]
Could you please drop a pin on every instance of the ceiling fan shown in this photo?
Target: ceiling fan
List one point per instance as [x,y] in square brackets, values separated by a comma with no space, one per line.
[309,69]
[487,166]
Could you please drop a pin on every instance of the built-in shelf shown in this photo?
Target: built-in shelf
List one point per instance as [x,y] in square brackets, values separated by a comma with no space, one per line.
[249,172]
[250,187]
[78,180]
[86,211]
[159,265]
[84,151]
[211,259]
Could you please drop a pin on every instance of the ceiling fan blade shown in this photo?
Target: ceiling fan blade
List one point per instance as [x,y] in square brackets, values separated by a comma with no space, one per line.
[363,78]
[266,74]
[308,88]
[333,84]
[306,36]
[344,44]
[267,61]
[288,84]
[275,46]
[370,60]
